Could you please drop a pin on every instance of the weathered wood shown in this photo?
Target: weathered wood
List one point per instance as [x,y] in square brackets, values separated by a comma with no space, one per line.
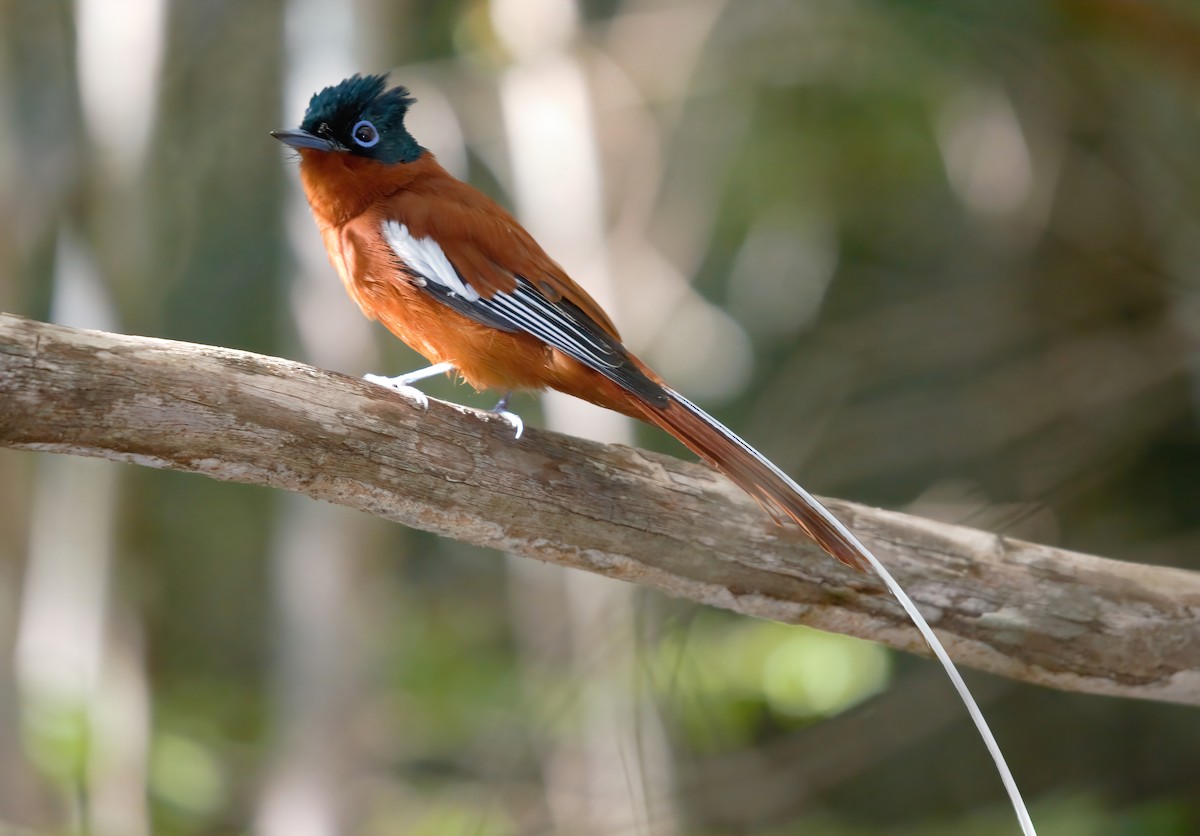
[1025,611]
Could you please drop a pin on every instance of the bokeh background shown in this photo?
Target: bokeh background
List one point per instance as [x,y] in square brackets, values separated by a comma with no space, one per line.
[937,256]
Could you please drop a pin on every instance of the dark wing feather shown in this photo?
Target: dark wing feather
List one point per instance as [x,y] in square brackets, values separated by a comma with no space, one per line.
[449,263]
[488,246]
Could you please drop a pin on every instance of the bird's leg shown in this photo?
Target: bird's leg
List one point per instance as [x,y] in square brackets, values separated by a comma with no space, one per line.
[512,418]
[404,383]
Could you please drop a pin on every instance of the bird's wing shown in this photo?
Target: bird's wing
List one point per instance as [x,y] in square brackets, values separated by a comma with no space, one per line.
[475,259]
[490,248]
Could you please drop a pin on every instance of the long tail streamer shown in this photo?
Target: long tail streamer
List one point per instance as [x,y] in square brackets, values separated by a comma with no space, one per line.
[755,474]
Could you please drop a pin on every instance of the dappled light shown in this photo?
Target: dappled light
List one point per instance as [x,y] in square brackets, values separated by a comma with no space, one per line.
[937,257]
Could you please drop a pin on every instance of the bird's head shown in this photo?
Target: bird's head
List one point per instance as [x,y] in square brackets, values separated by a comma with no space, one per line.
[361,117]
[354,148]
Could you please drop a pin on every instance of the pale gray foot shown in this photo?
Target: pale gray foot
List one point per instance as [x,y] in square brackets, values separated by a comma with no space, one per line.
[403,384]
[512,418]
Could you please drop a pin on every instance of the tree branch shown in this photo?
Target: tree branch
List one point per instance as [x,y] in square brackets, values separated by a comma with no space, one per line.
[1025,611]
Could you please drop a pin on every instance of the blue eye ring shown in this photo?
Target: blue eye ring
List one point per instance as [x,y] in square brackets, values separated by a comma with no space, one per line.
[365,134]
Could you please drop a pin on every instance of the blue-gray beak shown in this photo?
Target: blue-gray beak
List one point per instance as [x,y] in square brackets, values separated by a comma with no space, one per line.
[303,139]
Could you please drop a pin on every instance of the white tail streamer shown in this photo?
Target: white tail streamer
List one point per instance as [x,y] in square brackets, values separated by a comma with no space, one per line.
[1010,785]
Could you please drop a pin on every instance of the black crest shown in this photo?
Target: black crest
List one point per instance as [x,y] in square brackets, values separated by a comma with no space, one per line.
[336,114]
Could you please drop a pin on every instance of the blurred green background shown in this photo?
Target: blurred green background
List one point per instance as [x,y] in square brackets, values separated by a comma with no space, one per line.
[936,256]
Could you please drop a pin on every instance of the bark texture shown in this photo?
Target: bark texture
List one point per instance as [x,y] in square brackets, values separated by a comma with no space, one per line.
[1021,610]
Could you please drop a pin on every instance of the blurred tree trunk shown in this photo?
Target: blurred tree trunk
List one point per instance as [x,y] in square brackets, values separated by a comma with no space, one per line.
[615,773]
[41,166]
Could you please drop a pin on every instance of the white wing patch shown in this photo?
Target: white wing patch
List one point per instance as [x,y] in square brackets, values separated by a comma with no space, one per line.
[425,258]
[522,309]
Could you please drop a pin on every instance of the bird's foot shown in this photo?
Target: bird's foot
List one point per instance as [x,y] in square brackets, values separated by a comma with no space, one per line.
[512,418]
[403,384]
[399,386]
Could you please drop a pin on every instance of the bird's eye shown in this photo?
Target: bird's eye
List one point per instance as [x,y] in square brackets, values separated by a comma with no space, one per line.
[365,134]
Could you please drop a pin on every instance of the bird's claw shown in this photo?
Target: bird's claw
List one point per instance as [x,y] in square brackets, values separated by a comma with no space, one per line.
[512,419]
[400,386]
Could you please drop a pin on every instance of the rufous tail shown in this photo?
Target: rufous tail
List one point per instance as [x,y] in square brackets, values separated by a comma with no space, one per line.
[756,475]
[783,498]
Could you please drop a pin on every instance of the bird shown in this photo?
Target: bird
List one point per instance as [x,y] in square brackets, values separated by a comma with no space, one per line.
[457,278]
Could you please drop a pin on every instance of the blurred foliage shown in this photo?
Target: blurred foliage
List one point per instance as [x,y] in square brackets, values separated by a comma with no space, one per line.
[751,679]
[943,258]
